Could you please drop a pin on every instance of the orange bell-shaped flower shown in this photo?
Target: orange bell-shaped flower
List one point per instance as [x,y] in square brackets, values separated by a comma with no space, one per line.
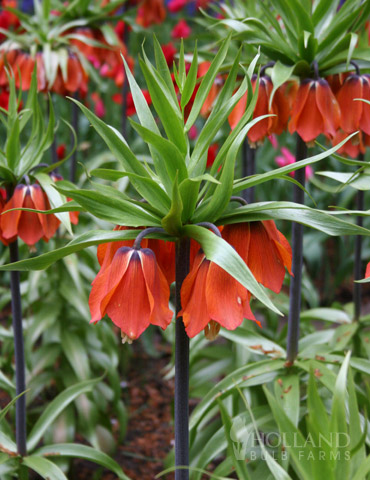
[263,248]
[211,298]
[355,114]
[132,290]
[29,226]
[280,108]
[2,203]
[149,12]
[315,110]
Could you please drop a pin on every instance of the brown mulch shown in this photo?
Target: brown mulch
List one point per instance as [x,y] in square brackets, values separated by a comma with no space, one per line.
[149,400]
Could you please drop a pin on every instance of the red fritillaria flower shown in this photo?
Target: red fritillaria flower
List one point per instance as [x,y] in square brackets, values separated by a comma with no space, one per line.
[263,248]
[164,252]
[355,113]
[169,52]
[315,110]
[149,12]
[29,226]
[181,30]
[132,290]
[280,107]
[176,5]
[211,298]
[2,203]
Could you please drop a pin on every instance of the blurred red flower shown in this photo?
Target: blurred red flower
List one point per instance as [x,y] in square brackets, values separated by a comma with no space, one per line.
[181,30]
[149,12]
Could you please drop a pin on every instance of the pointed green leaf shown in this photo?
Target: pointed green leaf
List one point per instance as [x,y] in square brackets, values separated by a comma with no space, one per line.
[172,221]
[55,407]
[167,109]
[74,450]
[115,142]
[44,467]
[114,210]
[207,83]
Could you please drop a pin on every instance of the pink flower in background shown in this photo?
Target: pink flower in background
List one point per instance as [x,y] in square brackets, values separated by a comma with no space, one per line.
[181,30]
[99,105]
[193,132]
[287,158]
[176,5]
[273,141]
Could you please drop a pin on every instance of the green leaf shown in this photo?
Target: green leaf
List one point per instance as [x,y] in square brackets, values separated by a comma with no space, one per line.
[172,221]
[207,83]
[76,354]
[254,342]
[212,208]
[273,174]
[5,410]
[170,157]
[288,396]
[55,407]
[280,73]
[239,464]
[189,189]
[162,67]
[55,198]
[44,467]
[115,142]
[320,220]
[240,376]
[190,81]
[212,126]
[82,451]
[167,109]
[115,210]
[338,422]
[295,442]
[318,429]
[12,151]
[94,237]
[277,470]
[363,470]
[326,314]
[356,180]
[219,251]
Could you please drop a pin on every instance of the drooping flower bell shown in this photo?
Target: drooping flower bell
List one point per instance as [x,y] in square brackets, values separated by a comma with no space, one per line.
[29,226]
[315,110]
[150,12]
[164,252]
[280,108]
[263,248]
[132,290]
[355,114]
[212,298]
[2,203]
